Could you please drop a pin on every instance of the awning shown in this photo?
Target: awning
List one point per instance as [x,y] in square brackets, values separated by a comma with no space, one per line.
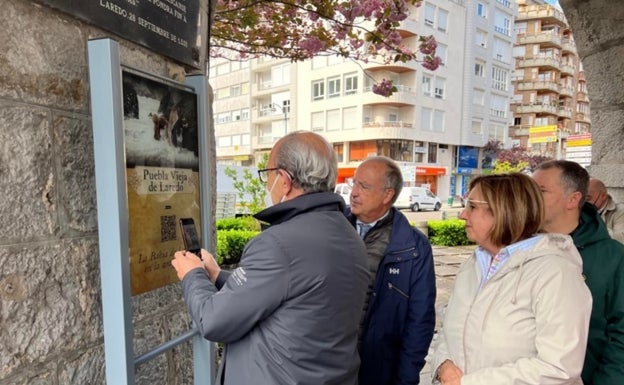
[421,170]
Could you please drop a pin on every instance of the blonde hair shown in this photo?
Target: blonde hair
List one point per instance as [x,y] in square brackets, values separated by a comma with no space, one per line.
[516,203]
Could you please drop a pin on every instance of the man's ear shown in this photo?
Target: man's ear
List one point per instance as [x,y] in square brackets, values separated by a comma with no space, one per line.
[388,195]
[574,199]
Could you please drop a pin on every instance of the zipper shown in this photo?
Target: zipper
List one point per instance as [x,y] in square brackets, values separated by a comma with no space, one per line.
[392,287]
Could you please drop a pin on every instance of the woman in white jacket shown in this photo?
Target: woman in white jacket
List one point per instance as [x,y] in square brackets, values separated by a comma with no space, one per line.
[519,311]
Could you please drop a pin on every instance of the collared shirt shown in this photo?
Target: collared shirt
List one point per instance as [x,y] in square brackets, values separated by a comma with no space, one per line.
[490,265]
[372,224]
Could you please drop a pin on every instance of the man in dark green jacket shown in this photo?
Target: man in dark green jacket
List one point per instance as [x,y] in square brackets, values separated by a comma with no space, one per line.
[564,185]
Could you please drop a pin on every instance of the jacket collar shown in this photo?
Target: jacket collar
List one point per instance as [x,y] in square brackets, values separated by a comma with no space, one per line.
[315,201]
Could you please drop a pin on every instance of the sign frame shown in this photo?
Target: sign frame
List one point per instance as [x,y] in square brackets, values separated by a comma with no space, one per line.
[105,77]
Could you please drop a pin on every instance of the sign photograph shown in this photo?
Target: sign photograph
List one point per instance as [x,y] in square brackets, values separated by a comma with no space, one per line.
[162,175]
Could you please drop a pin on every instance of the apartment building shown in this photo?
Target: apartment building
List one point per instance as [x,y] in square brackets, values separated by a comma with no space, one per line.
[433,126]
[550,101]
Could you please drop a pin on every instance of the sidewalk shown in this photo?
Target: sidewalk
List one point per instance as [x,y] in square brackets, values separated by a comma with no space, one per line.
[447,260]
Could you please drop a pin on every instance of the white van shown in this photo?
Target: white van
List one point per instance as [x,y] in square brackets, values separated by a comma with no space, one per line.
[417,198]
[344,190]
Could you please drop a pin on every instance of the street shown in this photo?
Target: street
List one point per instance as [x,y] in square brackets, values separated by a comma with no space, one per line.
[445,213]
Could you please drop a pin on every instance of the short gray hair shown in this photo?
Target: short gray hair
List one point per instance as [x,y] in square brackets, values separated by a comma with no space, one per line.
[309,159]
[393,178]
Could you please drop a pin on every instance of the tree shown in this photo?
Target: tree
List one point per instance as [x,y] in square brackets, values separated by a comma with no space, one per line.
[301,29]
[515,159]
[249,186]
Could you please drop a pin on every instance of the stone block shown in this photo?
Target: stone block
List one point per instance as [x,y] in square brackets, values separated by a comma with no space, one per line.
[59,310]
[45,78]
[27,182]
[73,141]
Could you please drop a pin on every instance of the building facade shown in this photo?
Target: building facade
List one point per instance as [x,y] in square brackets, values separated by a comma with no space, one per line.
[433,125]
[550,101]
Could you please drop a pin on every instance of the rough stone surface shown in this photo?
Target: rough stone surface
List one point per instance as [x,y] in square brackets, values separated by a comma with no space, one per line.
[50,292]
[26,174]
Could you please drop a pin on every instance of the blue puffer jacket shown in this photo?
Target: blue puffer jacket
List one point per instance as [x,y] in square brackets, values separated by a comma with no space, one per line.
[400,320]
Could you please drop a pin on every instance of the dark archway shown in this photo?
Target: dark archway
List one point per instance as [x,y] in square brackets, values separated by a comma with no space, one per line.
[599,34]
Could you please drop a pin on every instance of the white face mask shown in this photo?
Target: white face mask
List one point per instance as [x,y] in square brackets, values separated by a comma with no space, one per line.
[268,201]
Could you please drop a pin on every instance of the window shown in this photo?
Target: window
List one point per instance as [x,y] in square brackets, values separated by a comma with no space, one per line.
[477,126]
[245,140]
[318,121]
[429,14]
[441,52]
[501,51]
[236,115]
[426,83]
[280,74]
[481,38]
[425,119]
[245,114]
[349,118]
[432,155]
[481,10]
[439,87]
[502,23]
[333,120]
[498,132]
[499,78]
[438,121]
[224,141]
[442,20]
[318,90]
[478,97]
[479,69]
[333,87]
[498,106]
[351,84]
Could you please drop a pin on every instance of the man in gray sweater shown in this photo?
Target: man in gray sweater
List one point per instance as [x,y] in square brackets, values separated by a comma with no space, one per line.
[289,313]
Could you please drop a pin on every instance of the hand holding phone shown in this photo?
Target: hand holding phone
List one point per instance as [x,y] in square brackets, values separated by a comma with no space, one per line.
[190,236]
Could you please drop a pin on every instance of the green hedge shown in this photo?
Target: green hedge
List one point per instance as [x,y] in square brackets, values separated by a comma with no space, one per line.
[448,232]
[248,223]
[234,233]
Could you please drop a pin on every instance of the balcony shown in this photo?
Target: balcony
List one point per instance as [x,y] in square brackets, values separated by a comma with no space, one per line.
[539,85]
[546,39]
[568,46]
[565,112]
[398,67]
[546,61]
[544,12]
[583,118]
[566,91]
[536,108]
[567,69]
[404,96]
[388,124]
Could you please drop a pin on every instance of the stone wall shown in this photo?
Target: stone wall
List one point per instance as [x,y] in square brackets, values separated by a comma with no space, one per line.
[50,300]
[599,39]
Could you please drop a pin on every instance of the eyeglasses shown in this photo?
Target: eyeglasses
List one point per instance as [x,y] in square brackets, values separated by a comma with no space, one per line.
[263,174]
[365,188]
[470,203]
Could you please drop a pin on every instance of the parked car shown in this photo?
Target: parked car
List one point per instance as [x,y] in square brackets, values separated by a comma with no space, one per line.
[417,198]
[344,190]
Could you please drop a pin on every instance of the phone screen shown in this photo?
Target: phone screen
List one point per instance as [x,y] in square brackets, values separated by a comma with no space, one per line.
[190,236]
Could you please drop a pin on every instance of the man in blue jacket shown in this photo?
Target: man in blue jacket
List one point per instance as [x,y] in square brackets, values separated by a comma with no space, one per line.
[399,311]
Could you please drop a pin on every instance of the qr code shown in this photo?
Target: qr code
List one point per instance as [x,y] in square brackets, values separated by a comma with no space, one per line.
[168,228]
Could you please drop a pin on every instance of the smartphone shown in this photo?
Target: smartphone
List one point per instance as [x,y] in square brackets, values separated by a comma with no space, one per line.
[190,236]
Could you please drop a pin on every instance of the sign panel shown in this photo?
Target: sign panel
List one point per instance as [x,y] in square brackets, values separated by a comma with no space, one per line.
[579,140]
[169,27]
[162,175]
[543,134]
[468,157]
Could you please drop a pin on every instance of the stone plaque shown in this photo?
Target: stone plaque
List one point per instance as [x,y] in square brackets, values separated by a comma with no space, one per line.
[169,27]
